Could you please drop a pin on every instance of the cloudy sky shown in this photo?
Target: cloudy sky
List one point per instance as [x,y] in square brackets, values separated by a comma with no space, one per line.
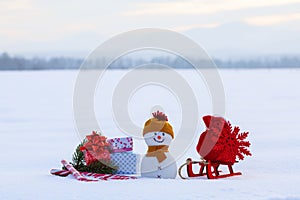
[223,27]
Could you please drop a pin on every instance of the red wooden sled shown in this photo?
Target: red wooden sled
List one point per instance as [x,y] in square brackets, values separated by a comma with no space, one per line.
[207,168]
[218,145]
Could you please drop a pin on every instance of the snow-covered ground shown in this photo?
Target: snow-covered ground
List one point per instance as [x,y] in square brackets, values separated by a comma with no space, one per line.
[37,130]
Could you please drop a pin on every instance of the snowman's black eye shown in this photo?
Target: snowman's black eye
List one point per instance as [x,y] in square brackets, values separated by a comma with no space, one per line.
[163,134]
[155,133]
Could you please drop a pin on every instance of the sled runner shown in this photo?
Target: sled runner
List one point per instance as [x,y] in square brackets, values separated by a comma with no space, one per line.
[219,145]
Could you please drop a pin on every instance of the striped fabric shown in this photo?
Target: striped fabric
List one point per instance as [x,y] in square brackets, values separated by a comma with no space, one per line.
[87,176]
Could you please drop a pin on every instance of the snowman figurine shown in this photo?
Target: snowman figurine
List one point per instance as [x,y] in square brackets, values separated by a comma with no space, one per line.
[158,162]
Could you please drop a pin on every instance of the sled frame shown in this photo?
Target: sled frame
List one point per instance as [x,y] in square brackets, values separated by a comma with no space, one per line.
[207,168]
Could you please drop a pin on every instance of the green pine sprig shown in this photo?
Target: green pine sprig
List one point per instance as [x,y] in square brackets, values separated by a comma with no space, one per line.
[99,166]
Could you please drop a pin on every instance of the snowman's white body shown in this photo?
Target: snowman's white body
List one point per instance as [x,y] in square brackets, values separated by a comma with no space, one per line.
[150,166]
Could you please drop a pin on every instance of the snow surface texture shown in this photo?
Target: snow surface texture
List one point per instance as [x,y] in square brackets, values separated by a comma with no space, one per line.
[37,131]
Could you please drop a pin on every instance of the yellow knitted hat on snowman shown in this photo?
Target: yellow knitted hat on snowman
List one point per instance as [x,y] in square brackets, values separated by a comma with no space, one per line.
[158,123]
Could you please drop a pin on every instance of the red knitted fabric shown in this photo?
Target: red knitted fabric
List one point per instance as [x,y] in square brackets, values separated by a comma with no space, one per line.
[221,143]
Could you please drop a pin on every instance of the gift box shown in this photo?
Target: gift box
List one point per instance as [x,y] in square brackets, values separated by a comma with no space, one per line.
[127,162]
[119,145]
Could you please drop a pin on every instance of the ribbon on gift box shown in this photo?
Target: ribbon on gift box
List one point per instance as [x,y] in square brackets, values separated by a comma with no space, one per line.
[96,148]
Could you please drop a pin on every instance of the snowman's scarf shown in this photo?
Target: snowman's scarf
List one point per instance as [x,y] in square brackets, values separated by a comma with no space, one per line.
[158,152]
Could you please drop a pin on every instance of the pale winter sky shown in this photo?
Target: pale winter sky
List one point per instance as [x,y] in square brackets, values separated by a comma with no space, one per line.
[73,27]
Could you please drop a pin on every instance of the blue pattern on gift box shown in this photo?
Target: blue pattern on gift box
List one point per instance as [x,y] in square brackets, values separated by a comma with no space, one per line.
[126,162]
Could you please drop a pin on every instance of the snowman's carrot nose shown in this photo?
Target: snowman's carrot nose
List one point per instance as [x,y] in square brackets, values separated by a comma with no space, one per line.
[159,137]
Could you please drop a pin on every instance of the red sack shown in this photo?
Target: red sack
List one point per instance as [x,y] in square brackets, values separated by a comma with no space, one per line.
[219,143]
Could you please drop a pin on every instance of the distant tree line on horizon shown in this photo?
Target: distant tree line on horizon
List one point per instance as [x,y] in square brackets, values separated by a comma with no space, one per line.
[8,62]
